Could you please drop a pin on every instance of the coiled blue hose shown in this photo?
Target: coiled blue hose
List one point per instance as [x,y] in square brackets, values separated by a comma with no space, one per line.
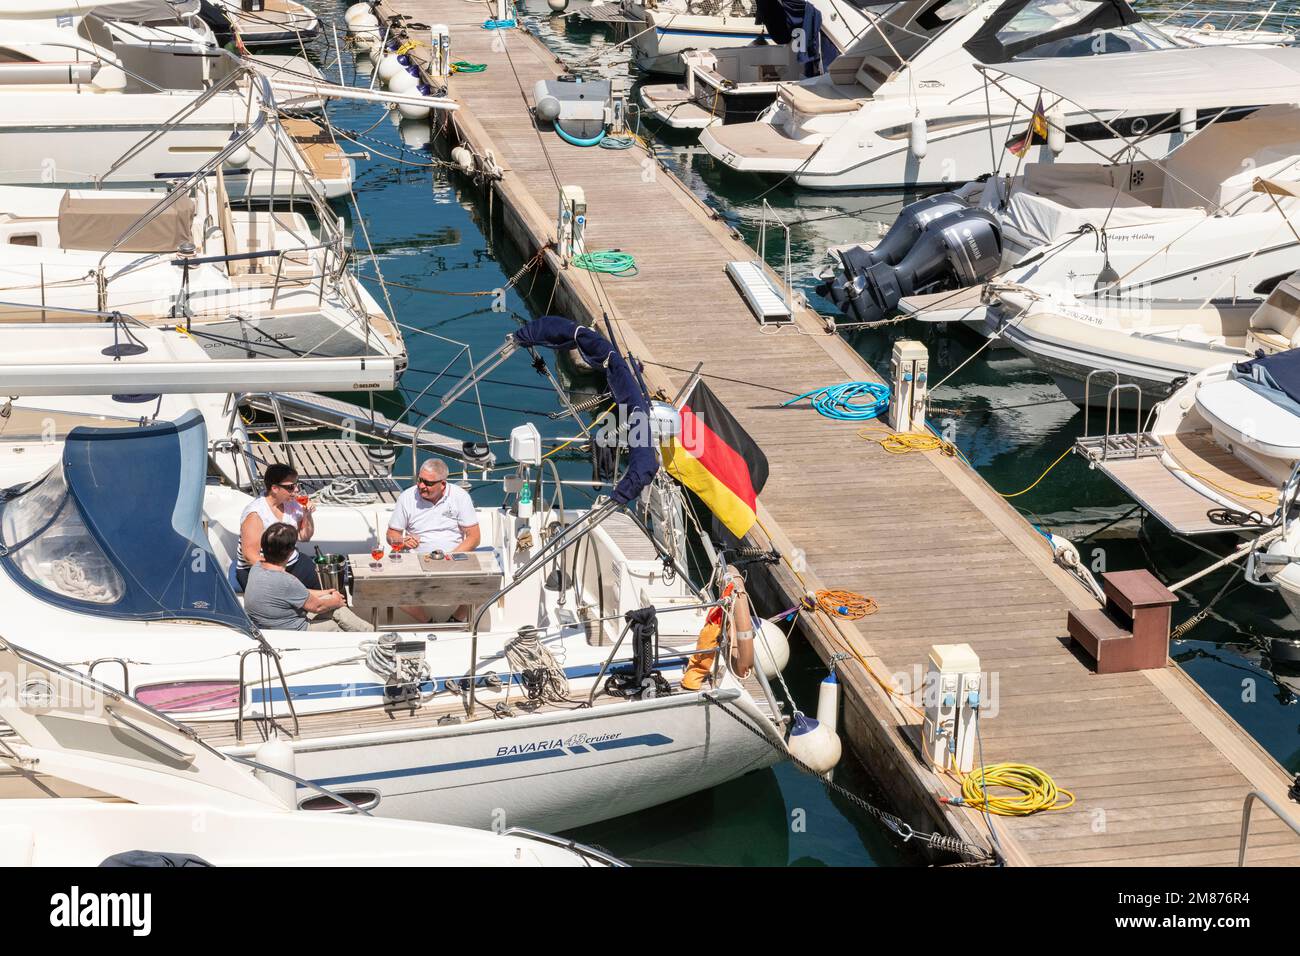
[844,402]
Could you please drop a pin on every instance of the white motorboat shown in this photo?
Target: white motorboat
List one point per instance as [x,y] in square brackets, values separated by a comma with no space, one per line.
[734,84]
[664,29]
[90,777]
[538,711]
[1110,243]
[243,282]
[928,116]
[267,23]
[1215,452]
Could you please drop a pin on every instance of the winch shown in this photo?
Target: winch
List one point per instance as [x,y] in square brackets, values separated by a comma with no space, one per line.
[404,668]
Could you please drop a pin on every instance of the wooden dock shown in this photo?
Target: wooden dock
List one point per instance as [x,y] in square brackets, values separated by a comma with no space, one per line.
[1159,769]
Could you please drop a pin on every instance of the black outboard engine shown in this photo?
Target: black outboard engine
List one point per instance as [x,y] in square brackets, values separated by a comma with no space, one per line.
[897,242]
[957,250]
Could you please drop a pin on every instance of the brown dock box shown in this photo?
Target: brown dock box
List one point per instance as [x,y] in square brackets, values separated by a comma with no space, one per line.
[1131,632]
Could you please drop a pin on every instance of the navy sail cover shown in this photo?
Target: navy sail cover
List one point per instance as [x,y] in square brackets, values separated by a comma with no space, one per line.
[781,18]
[556,332]
[1279,372]
[116,530]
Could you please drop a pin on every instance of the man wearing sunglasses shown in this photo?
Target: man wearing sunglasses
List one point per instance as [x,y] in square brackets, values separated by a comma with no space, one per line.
[434,515]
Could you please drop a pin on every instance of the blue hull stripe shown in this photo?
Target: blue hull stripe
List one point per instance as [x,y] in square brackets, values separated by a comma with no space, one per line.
[346,691]
[704,33]
[644,740]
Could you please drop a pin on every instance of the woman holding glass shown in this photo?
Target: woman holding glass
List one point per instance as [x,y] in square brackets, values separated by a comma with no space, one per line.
[282,504]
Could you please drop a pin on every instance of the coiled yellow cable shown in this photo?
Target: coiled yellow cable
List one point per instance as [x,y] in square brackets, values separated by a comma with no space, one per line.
[897,443]
[848,605]
[1037,790]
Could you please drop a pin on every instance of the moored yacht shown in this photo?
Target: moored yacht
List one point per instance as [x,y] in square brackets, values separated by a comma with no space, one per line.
[663,29]
[572,661]
[1206,225]
[243,282]
[928,116]
[735,84]
[90,777]
[144,47]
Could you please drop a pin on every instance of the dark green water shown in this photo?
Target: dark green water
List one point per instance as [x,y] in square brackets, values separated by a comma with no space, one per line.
[433,231]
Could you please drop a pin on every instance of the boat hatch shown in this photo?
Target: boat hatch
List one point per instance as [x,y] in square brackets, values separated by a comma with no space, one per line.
[115,529]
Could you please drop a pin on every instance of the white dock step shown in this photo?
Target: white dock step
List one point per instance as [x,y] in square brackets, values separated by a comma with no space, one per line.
[759,292]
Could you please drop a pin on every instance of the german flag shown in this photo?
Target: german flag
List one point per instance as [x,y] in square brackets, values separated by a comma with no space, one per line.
[1036,133]
[715,458]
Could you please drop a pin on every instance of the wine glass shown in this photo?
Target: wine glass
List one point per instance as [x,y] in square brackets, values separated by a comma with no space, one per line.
[377,556]
[396,553]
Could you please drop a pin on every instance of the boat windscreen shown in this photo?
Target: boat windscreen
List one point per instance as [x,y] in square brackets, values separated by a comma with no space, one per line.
[115,529]
[1019,26]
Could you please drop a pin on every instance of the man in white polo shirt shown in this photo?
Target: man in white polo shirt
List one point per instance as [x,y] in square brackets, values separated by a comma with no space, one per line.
[434,515]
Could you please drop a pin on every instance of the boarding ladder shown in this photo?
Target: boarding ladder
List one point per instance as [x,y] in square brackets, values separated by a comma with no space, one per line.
[1113,443]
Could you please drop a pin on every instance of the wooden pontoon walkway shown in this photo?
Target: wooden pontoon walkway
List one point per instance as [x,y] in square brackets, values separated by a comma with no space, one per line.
[1160,771]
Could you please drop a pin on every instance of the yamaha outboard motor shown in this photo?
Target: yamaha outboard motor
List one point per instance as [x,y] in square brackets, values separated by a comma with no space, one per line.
[897,242]
[960,249]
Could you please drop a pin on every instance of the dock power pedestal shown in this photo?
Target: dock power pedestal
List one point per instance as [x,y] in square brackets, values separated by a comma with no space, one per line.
[909,370]
[572,221]
[952,693]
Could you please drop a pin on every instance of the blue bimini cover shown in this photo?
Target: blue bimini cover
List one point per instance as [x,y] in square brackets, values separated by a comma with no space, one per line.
[115,529]
[1278,374]
[556,332]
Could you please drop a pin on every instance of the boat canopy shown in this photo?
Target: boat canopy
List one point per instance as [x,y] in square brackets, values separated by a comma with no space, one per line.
[1214,77]
[115,529]
[1018,26]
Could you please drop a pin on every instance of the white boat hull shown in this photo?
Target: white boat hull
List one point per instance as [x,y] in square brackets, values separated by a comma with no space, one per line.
[551,772]
[72,140]
[668,35]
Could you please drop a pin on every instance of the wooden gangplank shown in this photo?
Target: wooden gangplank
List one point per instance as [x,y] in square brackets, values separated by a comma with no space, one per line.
[1160,771]
[322,464]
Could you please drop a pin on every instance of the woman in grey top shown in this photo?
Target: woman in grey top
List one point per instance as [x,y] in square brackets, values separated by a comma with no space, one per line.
[276,600]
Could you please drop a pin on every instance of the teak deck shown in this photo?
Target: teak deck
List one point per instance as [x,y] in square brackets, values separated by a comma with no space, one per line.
[1159,770]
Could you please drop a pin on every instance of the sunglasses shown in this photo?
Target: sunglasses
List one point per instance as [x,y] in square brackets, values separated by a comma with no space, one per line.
[289,487]
[430,484]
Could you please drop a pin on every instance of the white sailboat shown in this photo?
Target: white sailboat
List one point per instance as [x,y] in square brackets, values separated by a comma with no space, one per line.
[89,776]
[244,281]
[558,703]
[149,46]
